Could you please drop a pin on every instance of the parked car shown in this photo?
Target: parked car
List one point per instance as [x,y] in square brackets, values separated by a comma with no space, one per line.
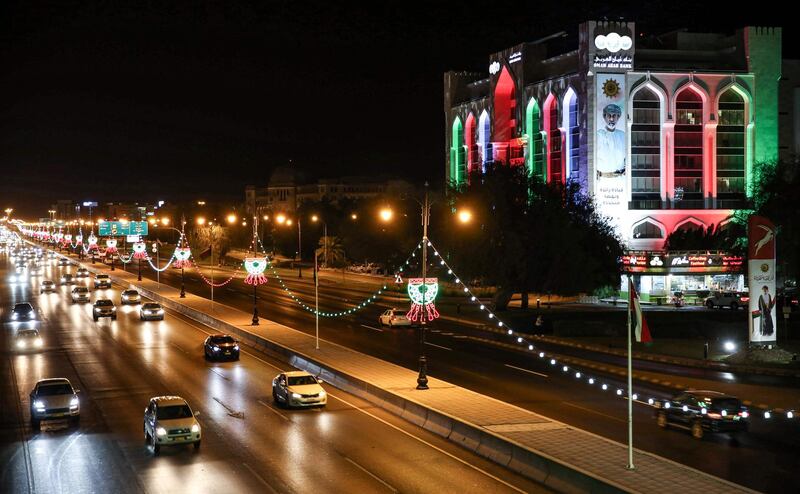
[394,317]
[104,308]
[788,297]
[219,346]
[733,300]
[169,421]
[298,389]
[151,311]
[701,411]
[54,398]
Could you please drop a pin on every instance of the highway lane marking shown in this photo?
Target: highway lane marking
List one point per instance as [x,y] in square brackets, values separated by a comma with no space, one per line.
[388,485]
[220,375]
[260,478]
[370,327]
[438,346]
[179,348]
[596,412]
[433,446]
[526,370]
[279,414]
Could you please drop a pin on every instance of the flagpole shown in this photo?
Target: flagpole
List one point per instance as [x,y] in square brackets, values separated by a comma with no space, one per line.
[630,379]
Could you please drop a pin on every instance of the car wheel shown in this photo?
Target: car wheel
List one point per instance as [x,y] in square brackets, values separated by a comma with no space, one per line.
[113,318]
[697,430]
[95,318]
[35,424]
[710,304]
[156,446]
[734,306]
[275,397]
[146,435]
[662,420]
[197,446]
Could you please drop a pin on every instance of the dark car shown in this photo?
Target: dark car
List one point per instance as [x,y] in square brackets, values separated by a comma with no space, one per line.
[221,346]
[104,308]
[703,411]
[23,312]
[67,279]
[151,311]
[788,297]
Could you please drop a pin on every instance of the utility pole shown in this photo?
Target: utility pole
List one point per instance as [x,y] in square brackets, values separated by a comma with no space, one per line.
[255,285]
[422,379]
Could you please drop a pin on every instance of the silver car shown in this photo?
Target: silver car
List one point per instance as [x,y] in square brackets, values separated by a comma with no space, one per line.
[80,294]
[298,389]
[169,421]
[130,297]
[104,308]
[54,399]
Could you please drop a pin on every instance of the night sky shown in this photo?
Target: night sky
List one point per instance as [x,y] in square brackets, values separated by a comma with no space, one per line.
[176,100]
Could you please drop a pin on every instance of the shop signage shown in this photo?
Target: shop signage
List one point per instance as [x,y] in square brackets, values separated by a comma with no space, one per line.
[681,262]
[494,68]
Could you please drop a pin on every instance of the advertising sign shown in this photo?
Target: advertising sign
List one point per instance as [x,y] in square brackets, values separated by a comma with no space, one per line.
[611,148]
[761,279]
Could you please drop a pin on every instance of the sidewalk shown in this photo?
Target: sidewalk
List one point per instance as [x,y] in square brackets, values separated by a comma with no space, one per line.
[560,456]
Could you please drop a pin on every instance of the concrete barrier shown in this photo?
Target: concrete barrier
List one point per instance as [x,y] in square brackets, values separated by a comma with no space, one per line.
[534,465]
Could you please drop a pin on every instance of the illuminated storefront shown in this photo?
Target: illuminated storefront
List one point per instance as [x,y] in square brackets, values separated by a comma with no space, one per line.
[658,275]
[661,130]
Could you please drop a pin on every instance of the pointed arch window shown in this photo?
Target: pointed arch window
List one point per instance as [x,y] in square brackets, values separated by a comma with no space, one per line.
[457,154]
[554,160]
[646,146]
[535,158]
[731,135]
[689,145]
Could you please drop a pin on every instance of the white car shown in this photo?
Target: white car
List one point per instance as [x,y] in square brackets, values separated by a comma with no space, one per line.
[151,311]
[54,399]
[169,421]
[728,299]
[298,389]
[47,286]
[28,339]
[102,281]
[80,294]
[394,317]
[130,297]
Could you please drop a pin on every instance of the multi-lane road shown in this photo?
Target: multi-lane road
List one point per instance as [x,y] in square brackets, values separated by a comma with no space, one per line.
[249,444]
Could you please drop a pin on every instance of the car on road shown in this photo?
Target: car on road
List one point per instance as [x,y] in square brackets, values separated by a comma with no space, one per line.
[23,312]
[67,279]
[47,286]
[221,346]
[28,339]
[80,294]
[169,421]
[130,297]
[298,389]
[701,411]
[82,273]
[102,281]
[104,308]
[733,300]
[788,297]
[35,270]
[54,398]
[394,317]
[151,311]
[63,262]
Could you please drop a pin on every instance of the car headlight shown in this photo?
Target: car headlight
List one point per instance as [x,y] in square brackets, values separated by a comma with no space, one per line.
[215,348]
[14,315]
[296,396]
[39,342]
[322,394]
[97,309]
[160,431]
[160,311]
[21,344]
[195,428]
[113,309]
[38,404]
[30,313]
[73,403]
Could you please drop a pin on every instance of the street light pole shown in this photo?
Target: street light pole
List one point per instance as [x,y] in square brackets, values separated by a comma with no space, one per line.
[255,285]
[182,240]
[316,297]
[422,379]
[211,226]
[299,248]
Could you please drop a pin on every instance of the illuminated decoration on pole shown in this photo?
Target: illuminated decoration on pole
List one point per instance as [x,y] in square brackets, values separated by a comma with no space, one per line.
[182,255]
[255,267]
[92,242]
[416,288]
[140,250]
[111,246]
[78,239]
[398,279]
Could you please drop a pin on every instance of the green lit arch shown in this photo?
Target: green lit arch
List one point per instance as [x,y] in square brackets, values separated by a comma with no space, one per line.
[535,158]
[457,154]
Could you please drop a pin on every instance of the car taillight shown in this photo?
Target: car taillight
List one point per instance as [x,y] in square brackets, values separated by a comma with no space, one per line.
[745,299]
[744,415]
[394,317]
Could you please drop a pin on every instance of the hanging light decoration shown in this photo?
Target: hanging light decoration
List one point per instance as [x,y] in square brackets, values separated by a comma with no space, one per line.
[92,241]
[67,239]
[79,239]
[140,250]
[416,289]
[255,267]
[111,246]
[182,255]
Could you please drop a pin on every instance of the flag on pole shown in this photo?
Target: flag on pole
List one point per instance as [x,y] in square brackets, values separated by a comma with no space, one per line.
[637,320]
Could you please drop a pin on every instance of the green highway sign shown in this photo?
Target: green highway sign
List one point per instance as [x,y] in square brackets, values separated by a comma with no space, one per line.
[119,228]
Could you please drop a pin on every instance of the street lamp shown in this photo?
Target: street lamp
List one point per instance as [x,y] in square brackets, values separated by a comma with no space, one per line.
[231,218]
[464,215]
[315,219]
[386,214]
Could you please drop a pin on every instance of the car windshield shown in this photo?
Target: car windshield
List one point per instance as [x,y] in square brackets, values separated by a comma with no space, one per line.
[30,333]
[400,313]
[130,292]
[54,389]
[301,380]
[222,339]
[103,303]
[174,412]
[23,308]
[81,289]
[102,276]
[151,306]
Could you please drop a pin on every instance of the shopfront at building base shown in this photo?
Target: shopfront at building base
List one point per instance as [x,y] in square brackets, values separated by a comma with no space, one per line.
[658,276]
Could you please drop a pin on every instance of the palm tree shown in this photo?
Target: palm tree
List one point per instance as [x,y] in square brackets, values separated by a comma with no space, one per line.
[332,248]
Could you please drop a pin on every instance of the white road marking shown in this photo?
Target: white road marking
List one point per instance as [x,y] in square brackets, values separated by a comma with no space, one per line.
[260,478]
[370,327]
[279,414]
[526,370]
[179,348]
[464,462]
[438,346]
[596,412]
[388,486]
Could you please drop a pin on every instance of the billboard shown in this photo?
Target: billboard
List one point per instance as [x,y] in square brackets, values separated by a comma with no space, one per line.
[761,279]
[610,147]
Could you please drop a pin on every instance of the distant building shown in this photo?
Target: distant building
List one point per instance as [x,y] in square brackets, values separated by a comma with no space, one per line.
[287,189]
